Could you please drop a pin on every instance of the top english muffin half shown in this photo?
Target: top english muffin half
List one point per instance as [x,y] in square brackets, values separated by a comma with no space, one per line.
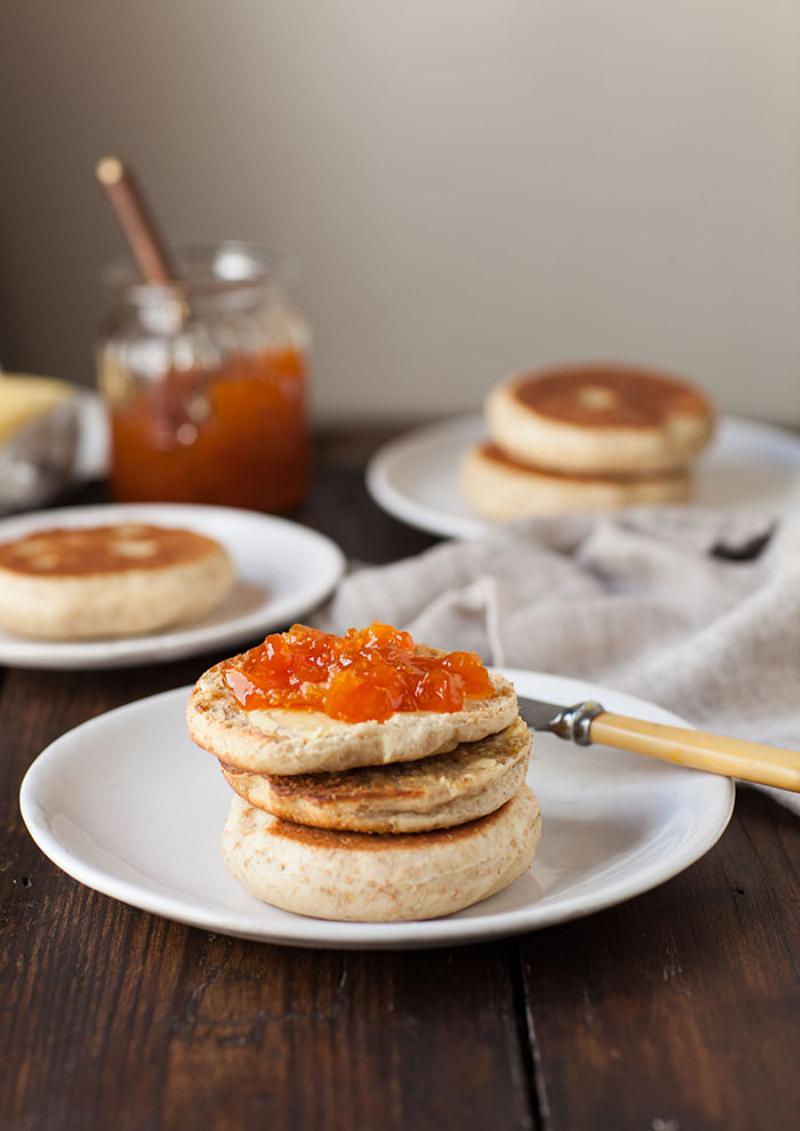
[279,741]
[599,419]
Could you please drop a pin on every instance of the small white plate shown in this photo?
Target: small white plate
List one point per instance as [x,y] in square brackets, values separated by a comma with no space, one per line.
[282,571]
[415,478]
[126,804]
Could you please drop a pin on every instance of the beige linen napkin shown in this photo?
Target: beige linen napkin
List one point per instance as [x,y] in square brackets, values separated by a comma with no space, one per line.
[697,610]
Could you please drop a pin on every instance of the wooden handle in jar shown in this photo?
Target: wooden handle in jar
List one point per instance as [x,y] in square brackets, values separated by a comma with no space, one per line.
[137,221]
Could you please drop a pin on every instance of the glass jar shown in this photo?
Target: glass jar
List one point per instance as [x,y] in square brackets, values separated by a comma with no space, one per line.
[205,383]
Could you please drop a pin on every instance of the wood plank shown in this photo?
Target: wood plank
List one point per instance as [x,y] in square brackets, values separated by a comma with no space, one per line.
[326,1040]
[681,1009]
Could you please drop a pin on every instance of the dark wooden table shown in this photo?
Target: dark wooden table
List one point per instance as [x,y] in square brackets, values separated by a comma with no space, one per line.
[677,1011]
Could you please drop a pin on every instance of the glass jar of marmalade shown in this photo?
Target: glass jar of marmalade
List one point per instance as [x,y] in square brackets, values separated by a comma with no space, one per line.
[205,383]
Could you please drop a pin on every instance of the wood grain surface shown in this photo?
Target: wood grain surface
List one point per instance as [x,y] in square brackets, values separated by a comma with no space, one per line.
[678,1011]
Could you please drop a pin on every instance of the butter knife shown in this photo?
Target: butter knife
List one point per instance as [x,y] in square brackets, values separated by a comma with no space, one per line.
[589,722]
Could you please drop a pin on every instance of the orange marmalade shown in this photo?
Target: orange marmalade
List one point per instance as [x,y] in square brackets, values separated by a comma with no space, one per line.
[368,673]
[250,448]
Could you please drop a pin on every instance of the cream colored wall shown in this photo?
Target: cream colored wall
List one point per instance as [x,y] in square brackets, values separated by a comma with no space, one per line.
[472,186]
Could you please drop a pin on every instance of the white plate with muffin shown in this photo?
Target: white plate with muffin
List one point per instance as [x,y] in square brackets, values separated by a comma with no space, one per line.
[119,585]
[591,437]
[387,798]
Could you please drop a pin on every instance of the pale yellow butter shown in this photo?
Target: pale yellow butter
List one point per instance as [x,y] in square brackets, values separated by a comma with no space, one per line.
[24,398]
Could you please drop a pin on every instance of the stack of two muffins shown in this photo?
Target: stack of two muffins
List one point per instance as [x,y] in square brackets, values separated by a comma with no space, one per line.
[590,437]
[413,817]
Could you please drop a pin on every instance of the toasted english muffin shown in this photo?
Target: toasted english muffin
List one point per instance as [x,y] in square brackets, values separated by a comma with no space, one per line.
[374,878]
[501,489]
[83,582]
[598,419]
[433,793]
[309,742]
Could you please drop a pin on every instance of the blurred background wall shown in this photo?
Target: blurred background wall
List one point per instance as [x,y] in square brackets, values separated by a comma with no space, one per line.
[471,185]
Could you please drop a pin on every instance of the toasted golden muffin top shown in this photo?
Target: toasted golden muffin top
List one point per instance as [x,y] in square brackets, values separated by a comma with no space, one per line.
[82,551]
[609,396]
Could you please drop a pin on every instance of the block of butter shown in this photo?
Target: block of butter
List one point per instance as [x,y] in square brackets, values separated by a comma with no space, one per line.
[38,439]
[24,398]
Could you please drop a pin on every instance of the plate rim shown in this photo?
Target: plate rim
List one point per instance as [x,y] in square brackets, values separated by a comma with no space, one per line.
[422,516]
[446,931]
[157,647]
[398,505]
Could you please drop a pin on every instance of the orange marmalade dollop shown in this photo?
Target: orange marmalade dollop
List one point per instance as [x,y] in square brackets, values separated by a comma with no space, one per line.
[368,673]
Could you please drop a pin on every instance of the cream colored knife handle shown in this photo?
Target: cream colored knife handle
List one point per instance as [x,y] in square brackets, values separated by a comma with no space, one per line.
[767,765]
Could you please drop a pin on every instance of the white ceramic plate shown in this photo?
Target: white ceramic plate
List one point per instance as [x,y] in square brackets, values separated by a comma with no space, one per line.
[282,570]
[126,804]
[415,478]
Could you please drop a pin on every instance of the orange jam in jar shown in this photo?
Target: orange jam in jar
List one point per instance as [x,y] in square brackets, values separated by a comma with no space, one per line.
[368,673]
[205,385]
[247,447]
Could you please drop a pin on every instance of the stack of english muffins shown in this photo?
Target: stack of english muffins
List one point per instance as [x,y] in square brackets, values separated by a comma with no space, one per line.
[413,817]
[588,437]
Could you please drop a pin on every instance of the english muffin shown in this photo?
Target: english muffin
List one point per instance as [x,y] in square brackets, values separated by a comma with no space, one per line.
[502,489]
[433,793]
[369,877]
[278,741]
[599,419]
[109,581]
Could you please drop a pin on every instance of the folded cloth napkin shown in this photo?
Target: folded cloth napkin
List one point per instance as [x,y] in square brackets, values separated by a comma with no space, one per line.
[697,610]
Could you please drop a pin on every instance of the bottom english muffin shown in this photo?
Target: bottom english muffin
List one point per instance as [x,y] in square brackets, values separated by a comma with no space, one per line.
[366,877]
